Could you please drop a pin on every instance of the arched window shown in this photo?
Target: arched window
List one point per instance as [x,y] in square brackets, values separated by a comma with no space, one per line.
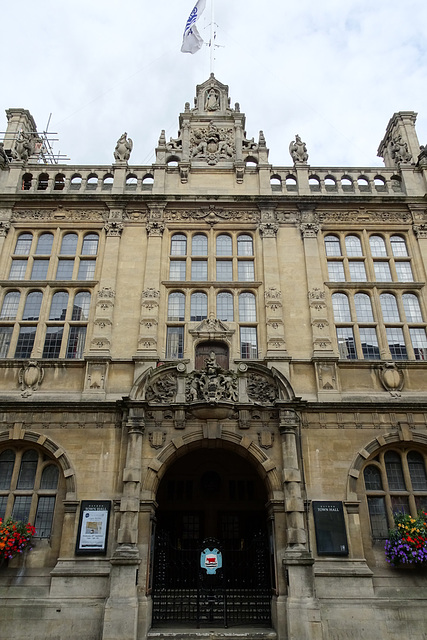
[176,307]
[69,244]
[23,244]
[341,307]
[90,244]
[81,306]
[179,245]
[353,246]
[199,306]
[398,246]
[389,307]
[378,248]
[223,245]
[29,482]
[245,245]
[224,306]
[199,245]
[332,246]
[32,306]
[59,183]
[43,182]
[58,307]
[44,244]
[362,303]
[247,307]
[10,305]
[395,481]
[412,308]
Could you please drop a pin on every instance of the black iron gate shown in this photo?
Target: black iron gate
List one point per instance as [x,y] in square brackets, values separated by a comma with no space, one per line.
[239,592]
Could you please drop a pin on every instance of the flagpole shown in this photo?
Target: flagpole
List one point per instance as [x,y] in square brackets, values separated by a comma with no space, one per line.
[212,41]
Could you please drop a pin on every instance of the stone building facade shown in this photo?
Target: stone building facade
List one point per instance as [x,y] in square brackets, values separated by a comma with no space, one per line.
[220,353]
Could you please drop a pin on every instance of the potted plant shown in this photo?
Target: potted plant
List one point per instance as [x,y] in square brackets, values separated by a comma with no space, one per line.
[15,537]
[407,541]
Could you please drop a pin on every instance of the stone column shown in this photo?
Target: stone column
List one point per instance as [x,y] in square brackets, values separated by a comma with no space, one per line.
[5,215]
[121,608]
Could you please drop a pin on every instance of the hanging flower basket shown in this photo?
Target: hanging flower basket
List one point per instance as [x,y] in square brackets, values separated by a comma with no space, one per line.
[407,542]
[15,537]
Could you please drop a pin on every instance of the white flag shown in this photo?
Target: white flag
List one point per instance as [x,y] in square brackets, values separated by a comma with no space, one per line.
[192,40]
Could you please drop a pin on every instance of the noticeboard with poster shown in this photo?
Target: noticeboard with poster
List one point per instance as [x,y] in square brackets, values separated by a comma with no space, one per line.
[93,527]
[331,535]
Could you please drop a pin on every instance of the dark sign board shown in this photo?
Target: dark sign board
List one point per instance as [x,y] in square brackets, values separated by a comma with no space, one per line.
[331,535]
[93,527]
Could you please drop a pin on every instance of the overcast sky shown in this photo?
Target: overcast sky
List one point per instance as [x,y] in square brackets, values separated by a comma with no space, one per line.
[333,71]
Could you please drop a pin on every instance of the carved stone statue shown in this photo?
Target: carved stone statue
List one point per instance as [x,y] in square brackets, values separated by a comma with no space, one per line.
[399,150]
[212,100]
[211,384]
[298,150]
[123,148]
[4,160]
[25,146]
[422,158]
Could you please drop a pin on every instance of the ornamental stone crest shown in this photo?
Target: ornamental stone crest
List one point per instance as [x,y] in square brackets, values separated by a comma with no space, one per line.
[163,389]
[30,378]
[298,150]
[212,143]
[391,377]
[123,148]
[261,389]
[211,384]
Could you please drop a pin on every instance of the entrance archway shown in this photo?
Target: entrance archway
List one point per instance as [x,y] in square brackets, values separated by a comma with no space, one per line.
[215,494]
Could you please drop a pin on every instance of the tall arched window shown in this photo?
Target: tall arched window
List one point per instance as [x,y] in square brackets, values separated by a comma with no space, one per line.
[176,307]
[247,307]
[81,306]
[398,246]
[245,245]
[10,305]
[378,248]
[224,306]
[23,244]
[90,244]
[362,303]
[341,307]
[199,245]
[332,246]
[353,246]
[58,307]
[224,245]
[32,306]
[199,306]
[389,307]
[412,308]
[44,244]
[179,245]
[69,244]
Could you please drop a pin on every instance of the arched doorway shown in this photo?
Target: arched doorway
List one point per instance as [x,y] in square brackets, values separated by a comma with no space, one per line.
[215,494]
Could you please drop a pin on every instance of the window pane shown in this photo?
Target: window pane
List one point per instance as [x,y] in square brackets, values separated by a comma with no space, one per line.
[404,272]
[199,270]
[90,245]
[382,271]
[245,271]
[81,306]
[179,245]
[44,516]
[50,477]
[25,342]
[3,505]
[396,343]
[389,308]
[58,307]
[393,467]
[377,245]
[332,246]
[353,246]
[247,307]
[7,461]
[39,270]
[248,343]
[346,345]
[176,307]
[398,246]
[17,269]
[76,342]
[32,306]
[177,270]
[362,302]
[245,246]
[21,508]
[377,514]
[175,342]
[419,343]
[417,471]
[86,270]
[336,272]
[421,503]
[69,244]
[65,269]
[223,245]
[44,244]
[399,504]
[23,244]
[224,270]
[357,271]
[27,470]
[372,477]
[341,307]
[224,306]
[52,343]
[199,245]
[369,342]
[10,305]
[199,306]
[412,307]
[5,338]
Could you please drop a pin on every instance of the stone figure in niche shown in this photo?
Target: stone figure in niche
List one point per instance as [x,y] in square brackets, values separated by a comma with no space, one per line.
[123,148]
[211,384]
[298,150]
[4,160]
[25,146]
[399,150]
[212,100]
[422,158]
